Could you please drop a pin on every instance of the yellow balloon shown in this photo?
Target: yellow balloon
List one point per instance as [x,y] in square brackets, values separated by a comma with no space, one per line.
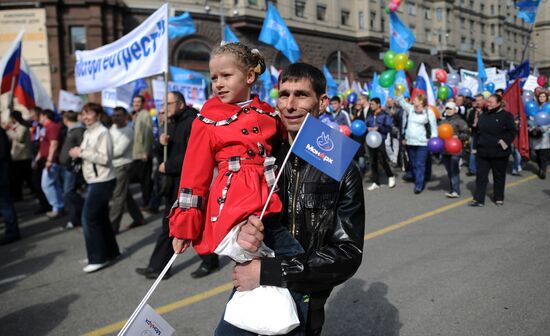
[153,112]
[399,89]
[401,61]
[486,94]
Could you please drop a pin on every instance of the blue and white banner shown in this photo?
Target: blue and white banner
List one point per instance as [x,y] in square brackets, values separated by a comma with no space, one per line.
[276,33]
[194,94]
[141,53]
[324,148]
[401,37]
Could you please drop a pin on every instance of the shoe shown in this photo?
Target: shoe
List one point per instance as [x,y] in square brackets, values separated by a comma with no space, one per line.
[135,224]
[542,174]
[68,226]
[40,211]
[149,273]
[90,268]
[452,195]
[373,186]
[469,173]
[54,214]
[149,210]
[202,271]
[499,203]
[475,203]
[515,173]
[391,182]
[417,191]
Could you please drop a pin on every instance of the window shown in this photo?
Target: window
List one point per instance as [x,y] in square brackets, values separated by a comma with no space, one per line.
[411,8]
[372,20]
[344,18]
[253,2]
[439,38]
[483,46]
[439,14]
[472,24]
[472,4]
[463,39]
[383,24]
[492,9]
[492,47]
[427,13]
[332,65]
[482,8]
[493,29]
[300,8]
[78,38]
[193,55]
[462,23]
[483,28]
[472,43]
[321,12]
[515,37]
[362,20]
[428,35]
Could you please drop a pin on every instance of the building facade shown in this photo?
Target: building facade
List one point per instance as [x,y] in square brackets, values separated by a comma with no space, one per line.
[447,31]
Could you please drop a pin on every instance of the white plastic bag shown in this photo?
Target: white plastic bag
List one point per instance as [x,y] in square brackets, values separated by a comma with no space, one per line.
[229,247]
[265,310]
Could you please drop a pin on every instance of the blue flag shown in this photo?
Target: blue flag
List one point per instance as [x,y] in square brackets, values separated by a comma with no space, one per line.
[324,148]
[400,78]
[401,37]
[276,33]
[267,85]
[376,91]
[181,25]
[229,36]
[181,75]
[139,85]
[332,87]
[481,74]
[527,10]
[521,71]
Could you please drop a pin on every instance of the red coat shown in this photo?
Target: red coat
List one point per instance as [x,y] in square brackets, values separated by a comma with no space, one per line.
[205,213]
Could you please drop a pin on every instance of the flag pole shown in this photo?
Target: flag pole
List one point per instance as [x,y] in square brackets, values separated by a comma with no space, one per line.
[165,149]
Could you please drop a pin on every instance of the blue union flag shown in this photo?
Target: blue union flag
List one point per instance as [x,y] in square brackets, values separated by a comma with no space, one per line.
[324,148]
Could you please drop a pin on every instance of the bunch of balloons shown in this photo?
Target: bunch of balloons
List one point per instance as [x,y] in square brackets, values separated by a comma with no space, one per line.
[445,91]
[394,62]
[393,6]
[445,141]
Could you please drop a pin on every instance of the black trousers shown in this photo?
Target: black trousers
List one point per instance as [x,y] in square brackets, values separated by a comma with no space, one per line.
[141,173]
[379,155]
[542,156]
[498,166]
[20,171]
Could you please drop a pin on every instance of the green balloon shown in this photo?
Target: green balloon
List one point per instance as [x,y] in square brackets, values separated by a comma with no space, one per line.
[443,93]
[387,9]
[387,78]
[274,93]
[410,65]
[389,59]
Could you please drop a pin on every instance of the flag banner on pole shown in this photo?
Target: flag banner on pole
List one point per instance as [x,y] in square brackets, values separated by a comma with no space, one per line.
[179,26]
[401,37]
[521,71]
[229,36]
[481,74]
[324,148]
[149,322]
[10,64]
[514,105]
[29,91]
[332,87]
[275,32]
[194,94]
[141,53]
[377,91]
[424,85]
[69,101]
[120,96]
[400,78]
[266,85]
[181,75]
[527,10]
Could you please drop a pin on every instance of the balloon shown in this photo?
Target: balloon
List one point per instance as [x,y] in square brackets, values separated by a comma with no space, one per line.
[387,9]
[491,87]
[528,95]
[445,131]
[333,125]
[399,89]
[436,145]
[347,93]
[410,65]
[272,101]
[274,93]
[153,112]
[344,129]
[465,92]
[441,75]
[374,139]
[358,127]
[486,94]
[342,97]
[352,98]
[531,108]
[451,92]
[393,7]
[453,79]
[398,2]
[443,92]
[526,100]
[542,80]
[389,59]
[453,146]
[435,111]
[455,92]
[545,108]
[401,61]
[542,118]
[387,78]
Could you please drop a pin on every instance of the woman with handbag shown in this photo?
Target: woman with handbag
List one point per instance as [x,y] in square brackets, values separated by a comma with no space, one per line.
[96,152]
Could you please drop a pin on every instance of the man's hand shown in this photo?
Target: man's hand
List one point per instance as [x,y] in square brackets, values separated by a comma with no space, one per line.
[74,152]
[164,139]
[372,129]
[246,276]
[145,158]
[48,165]
[162,169]
[180,245]
[251,234]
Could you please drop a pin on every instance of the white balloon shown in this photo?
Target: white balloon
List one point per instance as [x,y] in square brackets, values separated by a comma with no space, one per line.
[374,139]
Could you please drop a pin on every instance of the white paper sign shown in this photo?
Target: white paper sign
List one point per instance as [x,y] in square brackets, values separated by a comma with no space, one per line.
[531,83]
[69,101]
[194,94]
[498,79]
[120,96]
[149,322]
[467,73]
[469,83]
[141,53]
[490,72]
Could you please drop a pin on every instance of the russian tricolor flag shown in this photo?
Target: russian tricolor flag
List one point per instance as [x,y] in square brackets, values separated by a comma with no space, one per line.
[29,91]
[424,85]
[10,64]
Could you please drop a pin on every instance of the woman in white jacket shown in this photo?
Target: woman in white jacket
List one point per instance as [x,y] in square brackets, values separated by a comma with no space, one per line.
[96,152]
[419,125]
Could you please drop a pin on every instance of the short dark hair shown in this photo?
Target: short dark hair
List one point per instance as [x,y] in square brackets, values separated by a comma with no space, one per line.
[376,100]
[336,99]
[298,71]
[141,98]
[179,96]
[499,91]
[95,107]
[71,116]
[120,109]
[48,113]
[479,95]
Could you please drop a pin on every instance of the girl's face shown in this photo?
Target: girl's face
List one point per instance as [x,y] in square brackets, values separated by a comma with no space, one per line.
[89,117]
[229,82]
[543,98]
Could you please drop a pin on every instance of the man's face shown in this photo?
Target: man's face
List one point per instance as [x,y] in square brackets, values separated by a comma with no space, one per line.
[374,105]
[335,106]
[450,111]
[42,118]
[137,104]
[119,119]
[173,105]
[363,101]
[459,100]
[480,102]
[296,100]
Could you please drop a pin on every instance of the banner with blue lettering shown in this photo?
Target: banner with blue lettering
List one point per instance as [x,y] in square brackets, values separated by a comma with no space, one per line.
[194,94]
[324,148]
[139,54]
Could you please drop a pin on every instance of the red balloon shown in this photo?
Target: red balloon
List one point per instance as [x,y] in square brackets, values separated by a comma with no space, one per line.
[542,80]
[453,146]
[345,130]
[441,76]
[393,7]
[455,91]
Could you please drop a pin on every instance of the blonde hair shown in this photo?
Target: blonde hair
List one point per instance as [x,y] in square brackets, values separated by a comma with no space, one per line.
[423,99]
[249,59]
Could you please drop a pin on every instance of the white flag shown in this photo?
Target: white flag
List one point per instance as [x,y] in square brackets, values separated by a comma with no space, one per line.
[149,322]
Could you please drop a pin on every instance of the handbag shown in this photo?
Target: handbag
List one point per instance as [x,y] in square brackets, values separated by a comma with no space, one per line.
[75,165]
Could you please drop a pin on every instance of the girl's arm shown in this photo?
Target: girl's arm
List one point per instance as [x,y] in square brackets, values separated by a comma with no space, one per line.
[101,153]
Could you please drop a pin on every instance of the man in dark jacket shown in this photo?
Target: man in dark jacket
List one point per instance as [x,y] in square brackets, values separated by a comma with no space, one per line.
[6,205]
[327,217]
[180,119]
[378,120]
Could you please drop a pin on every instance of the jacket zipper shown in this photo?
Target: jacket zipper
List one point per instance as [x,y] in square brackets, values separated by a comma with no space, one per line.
[296,185]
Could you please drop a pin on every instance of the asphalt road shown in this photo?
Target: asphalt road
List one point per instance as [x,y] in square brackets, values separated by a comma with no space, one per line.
[433,266]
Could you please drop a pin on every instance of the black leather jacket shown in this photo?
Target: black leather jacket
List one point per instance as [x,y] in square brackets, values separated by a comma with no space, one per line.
[327,218]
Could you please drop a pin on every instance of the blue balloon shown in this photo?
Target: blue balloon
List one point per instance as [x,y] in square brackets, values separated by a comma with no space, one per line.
[272,101]
[491,87]
[542,118]
[358,127]
[352,98]
[545,108]
[526,100]
[453,79]
[531,108]
[465,92]
[451,92]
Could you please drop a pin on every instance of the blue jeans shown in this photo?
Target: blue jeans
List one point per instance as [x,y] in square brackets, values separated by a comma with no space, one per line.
[51,186]
[8,213]
[277,237]
[472,167]
[516,156]
[101,244]
[418,156]
[452,166]
[73,200]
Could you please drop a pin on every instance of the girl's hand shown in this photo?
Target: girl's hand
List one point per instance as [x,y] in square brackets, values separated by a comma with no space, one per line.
[74,152]
[180,245]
